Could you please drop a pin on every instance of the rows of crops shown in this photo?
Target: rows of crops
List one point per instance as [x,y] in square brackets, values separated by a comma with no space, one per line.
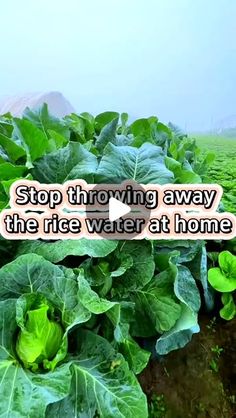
[223,169]
[81,319]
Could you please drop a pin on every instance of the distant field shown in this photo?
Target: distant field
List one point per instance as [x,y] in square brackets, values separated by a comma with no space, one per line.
[223,170]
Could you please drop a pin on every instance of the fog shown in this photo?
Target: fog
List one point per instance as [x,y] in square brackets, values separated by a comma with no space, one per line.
[172,58]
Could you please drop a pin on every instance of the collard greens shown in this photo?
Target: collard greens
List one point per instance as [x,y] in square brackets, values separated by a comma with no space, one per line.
[79,320]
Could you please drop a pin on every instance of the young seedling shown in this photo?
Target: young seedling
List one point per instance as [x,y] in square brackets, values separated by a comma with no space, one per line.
[157,407]
[214,363]
[212,324]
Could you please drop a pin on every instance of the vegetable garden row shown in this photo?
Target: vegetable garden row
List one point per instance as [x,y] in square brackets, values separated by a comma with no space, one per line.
[81,319]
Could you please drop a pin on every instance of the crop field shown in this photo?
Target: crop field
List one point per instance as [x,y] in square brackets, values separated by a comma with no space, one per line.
[223,169]
[93,328]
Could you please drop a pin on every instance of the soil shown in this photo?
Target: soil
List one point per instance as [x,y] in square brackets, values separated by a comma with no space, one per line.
[198,381]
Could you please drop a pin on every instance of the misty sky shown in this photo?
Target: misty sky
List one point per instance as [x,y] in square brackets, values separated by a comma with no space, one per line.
[172,58]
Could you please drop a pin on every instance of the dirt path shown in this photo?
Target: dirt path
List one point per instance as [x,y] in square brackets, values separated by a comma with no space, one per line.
[198,381]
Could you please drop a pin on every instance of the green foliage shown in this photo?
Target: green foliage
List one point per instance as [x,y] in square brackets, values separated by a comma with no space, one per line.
[229,308]
[223,169]
[80,319]
[143,165]
[41,345]
[214,362]
[102,306]
[101,149]
[157,407]
[217,350]
[40,337]
[223,279]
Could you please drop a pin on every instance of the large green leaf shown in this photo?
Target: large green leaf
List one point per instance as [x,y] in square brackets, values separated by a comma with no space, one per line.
[186,289]
[150,130]
[6,125]
[182,251]
[102,383]
[143,165]
[31,273]
[90,299]
[27,274]
[186,325]
[45,121]
[120,316]
[188,249]
[101,271]
[33,140]
[198,268]
[82,126]
[58,250]
[136,273]
[69,163]
[3,156]
[156,307]
[8,328]
[178,336]
[107,134]
[9,171]
[56,141]
[141,128]
[183,174]
[63,294]
[104,118]
[136,356]
[13,150]
[25,394]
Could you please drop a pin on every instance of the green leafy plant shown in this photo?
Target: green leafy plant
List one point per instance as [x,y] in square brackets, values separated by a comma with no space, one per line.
[214,362]
[42,147]
[42,345]
[223,279]
[73,334]
[40,337]
[157,407]
[80,319]
[217,350]
[212,325]
[223,169]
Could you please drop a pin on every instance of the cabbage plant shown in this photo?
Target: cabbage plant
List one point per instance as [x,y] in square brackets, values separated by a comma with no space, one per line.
[40,337]
[80,319]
